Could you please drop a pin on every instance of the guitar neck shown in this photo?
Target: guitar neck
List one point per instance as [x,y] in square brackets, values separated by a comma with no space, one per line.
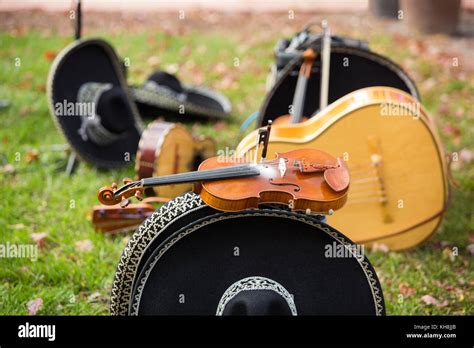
[240,171]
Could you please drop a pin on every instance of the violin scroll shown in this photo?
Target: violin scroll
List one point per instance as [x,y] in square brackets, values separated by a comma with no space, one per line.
[110,195]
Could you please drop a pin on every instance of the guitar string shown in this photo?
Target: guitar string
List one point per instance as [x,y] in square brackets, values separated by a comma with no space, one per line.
[373,195]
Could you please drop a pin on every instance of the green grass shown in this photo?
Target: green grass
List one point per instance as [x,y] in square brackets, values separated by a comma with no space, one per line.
[39,197]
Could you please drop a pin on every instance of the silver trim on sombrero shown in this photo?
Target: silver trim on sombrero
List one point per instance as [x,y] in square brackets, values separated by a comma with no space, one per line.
[152,93]
[255,283]
[91,126]
[150,229]
[337,236]
[118,69]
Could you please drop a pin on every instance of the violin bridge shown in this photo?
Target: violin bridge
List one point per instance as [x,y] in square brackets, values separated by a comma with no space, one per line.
[282,167]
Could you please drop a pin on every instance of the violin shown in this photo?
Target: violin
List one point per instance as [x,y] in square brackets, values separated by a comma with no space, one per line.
[304,180]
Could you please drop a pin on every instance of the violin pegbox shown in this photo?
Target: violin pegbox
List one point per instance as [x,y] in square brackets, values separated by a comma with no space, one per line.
[111,195]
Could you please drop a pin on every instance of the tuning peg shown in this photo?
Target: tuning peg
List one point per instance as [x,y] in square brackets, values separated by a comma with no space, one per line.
[114,186]
[124,203]
[139,195]
[127,181]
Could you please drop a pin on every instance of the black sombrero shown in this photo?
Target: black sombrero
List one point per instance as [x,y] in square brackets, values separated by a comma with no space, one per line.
[353,66]
[90,103]
[189,259]
[163,94]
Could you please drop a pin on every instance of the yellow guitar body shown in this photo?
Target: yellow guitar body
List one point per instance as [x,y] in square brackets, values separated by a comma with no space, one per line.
[399,187]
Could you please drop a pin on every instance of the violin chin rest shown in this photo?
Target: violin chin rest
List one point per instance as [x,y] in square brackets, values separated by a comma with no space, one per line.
[338,178]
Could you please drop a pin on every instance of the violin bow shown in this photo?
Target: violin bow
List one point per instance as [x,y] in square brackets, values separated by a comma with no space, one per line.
[326,62]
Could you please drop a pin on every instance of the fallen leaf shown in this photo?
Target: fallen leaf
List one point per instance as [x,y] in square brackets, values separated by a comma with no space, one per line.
[457,291]
[39,238]
[34,306]
[84,245]
[8,168]
[172,68]
[466,155]
[220,68]
[452,130]
[430,300]
[31,155]
[470,249]
[153,61]
[227,82]
[49,55]
[405,290]
[93,297]
[380,247]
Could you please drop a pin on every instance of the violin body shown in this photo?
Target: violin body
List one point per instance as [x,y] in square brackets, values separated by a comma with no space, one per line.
[398,169]
[297,189]
[169,148]
[306,179]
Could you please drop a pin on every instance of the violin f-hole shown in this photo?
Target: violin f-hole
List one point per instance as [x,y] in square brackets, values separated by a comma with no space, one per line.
[296,189]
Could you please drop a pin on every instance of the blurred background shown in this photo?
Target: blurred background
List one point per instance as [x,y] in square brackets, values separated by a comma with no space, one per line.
[431,39]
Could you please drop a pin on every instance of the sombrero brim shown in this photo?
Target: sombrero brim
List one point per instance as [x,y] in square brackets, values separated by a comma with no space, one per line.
[200,103]
[82,62]
[198,260]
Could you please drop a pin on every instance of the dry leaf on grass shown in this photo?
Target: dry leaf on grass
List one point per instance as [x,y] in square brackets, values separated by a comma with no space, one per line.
[34,306]
[39,239]
[405,290]
[153,61]
[93,297]
[84,245]
[49,55]
[31,155]
[430,300]
[470,249]
[8,168]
